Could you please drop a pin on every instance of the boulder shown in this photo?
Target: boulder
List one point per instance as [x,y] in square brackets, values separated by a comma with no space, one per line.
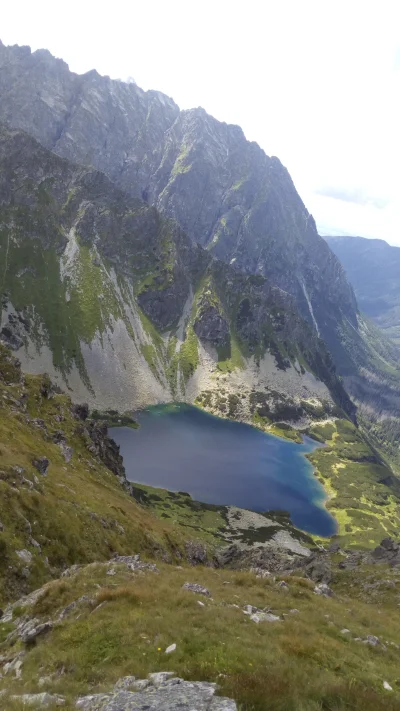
[25,556]
[372,640]
[160,691]
[323,589]
[284,587]
[388,552]
[80,412]
[31,635]
[198,589]
[264,617]
[318,569]
[196,552]
[41,464]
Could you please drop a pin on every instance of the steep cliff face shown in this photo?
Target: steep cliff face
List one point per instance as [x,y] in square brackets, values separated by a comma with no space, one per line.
[225,193]
[222,189]
[119,305]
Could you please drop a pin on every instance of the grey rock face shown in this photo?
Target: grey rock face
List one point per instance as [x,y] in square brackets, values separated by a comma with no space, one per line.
[211,326]
[324,590]
[13,333]
[31,635]
[222,189]
[372,266]
[162,693]
[196,552]
[162,265]
[318,568]
[41,464]
[224,192]
[388,551]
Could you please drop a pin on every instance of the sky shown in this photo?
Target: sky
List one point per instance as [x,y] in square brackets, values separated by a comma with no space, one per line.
[314,82]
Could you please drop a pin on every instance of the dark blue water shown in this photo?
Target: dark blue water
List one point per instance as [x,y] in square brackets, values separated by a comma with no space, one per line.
[182,448]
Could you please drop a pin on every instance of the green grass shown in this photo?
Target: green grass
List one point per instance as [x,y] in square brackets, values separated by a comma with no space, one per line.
[62,312]
[230,357]
[188,355]
[113,418]
[150,354]
[204,521]
[78,512]
[302,663]
[181,165]
[364,493]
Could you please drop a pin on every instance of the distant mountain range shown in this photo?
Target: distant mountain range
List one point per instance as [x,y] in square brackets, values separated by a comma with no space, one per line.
[373,268]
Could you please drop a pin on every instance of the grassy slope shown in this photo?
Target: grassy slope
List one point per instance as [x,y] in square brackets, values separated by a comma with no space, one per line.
[304,663]
[79,512]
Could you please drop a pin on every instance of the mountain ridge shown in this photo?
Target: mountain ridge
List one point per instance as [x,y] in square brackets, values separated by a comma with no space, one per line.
[373,268]
[221,189]
[147,149]
[114,264]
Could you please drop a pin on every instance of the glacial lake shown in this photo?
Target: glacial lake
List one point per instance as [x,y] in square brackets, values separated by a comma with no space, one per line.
[217,461]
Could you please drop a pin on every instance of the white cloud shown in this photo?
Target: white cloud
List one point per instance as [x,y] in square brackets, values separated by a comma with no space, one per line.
[314,82]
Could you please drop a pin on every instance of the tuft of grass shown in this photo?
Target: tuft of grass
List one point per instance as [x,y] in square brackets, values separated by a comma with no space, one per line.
[112,594]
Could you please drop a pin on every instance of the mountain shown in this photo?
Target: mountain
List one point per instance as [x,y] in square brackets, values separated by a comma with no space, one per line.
[224,192]
[152,255]
[116,302]
[373,268]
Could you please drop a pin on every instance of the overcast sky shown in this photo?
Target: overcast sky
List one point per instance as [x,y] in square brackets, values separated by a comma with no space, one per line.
[314,82]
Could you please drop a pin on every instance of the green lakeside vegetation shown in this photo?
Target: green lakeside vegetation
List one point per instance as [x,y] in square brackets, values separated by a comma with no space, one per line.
[364,494]
[113,418]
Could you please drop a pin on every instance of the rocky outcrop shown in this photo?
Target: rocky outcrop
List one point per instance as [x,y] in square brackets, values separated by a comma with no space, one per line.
[133,307]
[170,694]
[387,552]
[211,326]
[159,690]
[103,446]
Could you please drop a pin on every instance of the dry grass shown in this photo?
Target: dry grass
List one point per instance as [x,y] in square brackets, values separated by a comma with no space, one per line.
[302,663]
[123,591]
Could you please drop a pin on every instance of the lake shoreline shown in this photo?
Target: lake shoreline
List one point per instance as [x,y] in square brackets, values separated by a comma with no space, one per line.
[225,462]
